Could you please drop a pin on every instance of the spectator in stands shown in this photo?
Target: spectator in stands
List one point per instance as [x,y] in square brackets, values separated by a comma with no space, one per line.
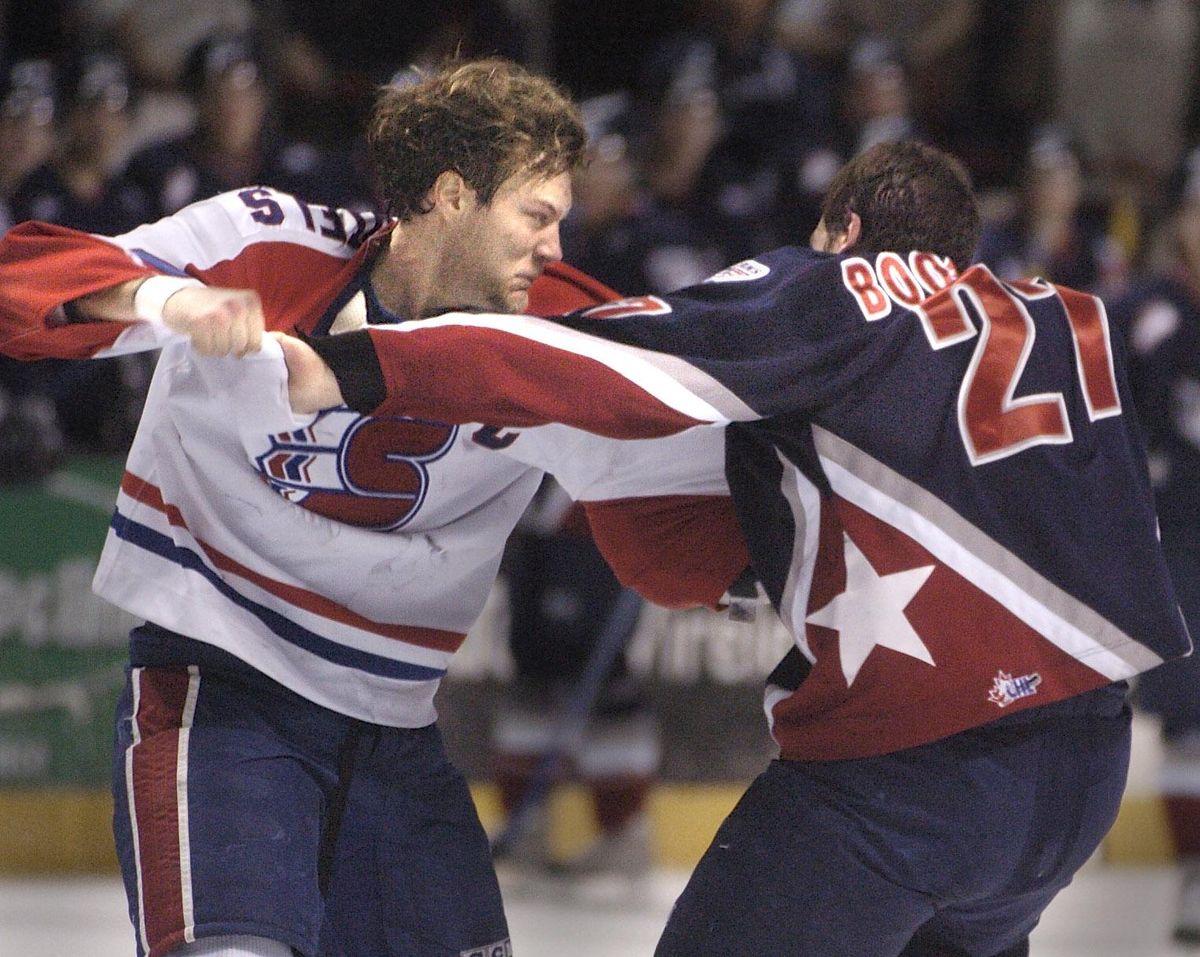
[1125,75]
[877,95]
[617,230]
[84,185]
[1160,319]
[937,40]
[1055,229]
[31,441]
[235,141]
[735,115]
[27,115]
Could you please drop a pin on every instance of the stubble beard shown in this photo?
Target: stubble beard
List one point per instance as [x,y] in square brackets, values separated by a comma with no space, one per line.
[517,301]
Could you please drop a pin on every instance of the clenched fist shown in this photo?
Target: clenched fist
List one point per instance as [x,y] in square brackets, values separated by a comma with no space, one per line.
[219,322]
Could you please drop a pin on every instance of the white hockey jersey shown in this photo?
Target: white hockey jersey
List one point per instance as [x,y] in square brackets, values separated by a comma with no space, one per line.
[343,555]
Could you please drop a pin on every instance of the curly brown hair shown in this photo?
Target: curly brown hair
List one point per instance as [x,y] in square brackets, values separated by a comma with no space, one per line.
[909,196]
[484,119]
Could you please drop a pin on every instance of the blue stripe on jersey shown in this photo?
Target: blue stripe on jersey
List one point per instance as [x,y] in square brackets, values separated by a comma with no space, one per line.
[140,535]
[160,264]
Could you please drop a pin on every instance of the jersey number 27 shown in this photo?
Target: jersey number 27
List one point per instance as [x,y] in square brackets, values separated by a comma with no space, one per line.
[994,422]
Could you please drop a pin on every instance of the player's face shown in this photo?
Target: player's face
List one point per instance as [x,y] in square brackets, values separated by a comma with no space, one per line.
[501,248]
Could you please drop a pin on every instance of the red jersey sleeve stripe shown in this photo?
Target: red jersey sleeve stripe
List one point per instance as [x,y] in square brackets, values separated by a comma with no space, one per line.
[476,374]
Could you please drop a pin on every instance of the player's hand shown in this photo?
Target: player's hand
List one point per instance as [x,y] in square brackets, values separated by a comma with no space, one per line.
[312,385]
[219,322]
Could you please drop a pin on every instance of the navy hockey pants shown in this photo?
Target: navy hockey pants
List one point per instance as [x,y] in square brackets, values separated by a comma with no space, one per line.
[951,849]
[242,808]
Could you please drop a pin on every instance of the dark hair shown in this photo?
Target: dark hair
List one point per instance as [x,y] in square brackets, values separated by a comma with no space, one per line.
[909,196]
[484,119]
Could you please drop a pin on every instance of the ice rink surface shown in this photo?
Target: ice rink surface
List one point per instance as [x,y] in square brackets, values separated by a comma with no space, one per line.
[1107,912]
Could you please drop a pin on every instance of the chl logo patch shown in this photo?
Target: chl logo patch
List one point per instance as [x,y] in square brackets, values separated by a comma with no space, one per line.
[1006,689]
[501,948]
[744,271]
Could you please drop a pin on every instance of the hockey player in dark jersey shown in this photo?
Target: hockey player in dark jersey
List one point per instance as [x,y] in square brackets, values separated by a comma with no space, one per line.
[948,506]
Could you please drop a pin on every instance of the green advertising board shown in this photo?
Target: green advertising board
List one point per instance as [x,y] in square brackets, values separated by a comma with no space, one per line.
[61,648]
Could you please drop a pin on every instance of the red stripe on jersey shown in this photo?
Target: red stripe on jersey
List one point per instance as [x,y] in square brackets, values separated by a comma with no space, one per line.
[271,268]
[1089,326]
[897,701]
[472,374]
[159,719]
[434,638]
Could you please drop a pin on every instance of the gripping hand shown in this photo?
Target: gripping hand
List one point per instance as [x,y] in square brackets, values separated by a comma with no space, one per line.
[219,322]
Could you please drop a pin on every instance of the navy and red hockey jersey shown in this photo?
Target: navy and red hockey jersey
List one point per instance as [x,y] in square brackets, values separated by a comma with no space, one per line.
[939,484]
[343,555]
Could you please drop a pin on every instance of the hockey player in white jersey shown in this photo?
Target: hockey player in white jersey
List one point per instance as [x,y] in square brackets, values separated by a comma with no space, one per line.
[279,781]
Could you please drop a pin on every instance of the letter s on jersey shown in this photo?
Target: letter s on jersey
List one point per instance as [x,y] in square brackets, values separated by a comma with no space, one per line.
[264,208]
[364,471]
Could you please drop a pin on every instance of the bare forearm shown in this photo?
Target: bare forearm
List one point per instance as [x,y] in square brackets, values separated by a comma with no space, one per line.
[217,321]
[144,298]
[312,385]
[114,304]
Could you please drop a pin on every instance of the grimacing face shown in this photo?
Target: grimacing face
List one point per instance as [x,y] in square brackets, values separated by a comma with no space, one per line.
[499,249]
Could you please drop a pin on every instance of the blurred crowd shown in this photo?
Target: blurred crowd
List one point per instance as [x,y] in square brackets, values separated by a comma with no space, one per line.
[716,125]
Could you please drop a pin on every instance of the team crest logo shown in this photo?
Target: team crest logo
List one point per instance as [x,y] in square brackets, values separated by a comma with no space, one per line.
[369,472]
[1006,689]
[744,271]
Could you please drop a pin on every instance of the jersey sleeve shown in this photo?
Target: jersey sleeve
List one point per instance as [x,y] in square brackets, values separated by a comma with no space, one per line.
[43,267]
[783,335]
[255,238]
[677,551]
[659,510]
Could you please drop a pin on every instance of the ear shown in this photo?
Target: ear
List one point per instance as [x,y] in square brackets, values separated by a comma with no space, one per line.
[450,192]
[851,236]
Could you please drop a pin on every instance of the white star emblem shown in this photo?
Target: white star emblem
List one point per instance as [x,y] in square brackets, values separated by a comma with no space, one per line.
[870,612]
